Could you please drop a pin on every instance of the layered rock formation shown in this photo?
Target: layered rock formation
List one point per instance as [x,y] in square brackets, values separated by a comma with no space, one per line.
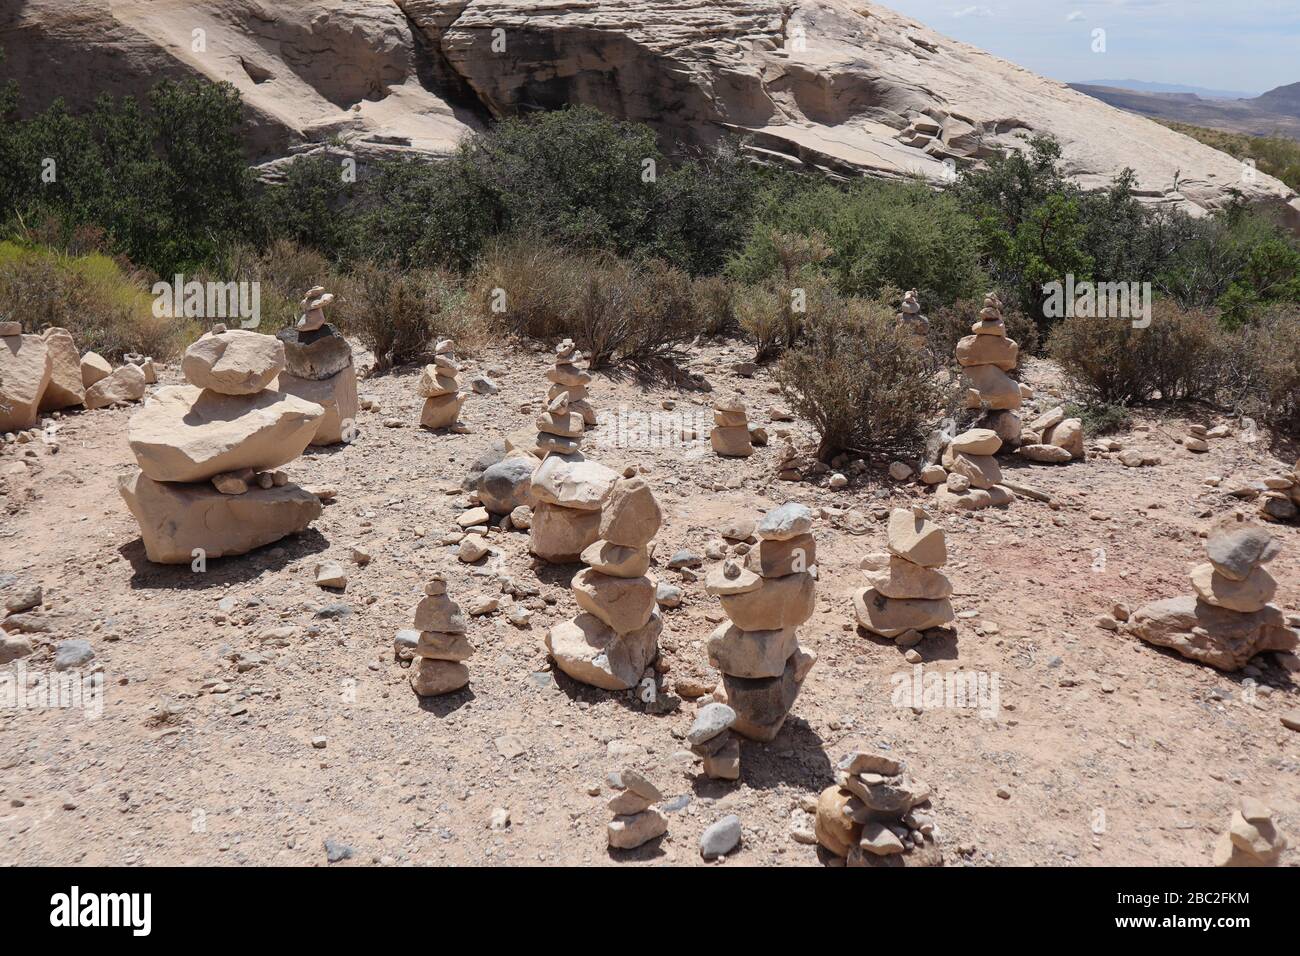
[207,453]
[907,594]
[849,87]
[616,637]
[766,599]
[730,434]
[985,357]
[440,389]
[442,648]
[1052,438]
[876,814]
[1229,619]
[637,817]
[318,368]
[973,476]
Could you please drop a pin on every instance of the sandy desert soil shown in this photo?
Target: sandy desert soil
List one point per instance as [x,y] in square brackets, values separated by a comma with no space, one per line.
[1107,751]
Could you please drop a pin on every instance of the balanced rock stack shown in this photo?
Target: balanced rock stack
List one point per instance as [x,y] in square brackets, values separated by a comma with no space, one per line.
[1252,837]
[986,356]
[438,665]
[907,593]
[730,435]
[711,739]
[570,381]
[208,451]
[1281,498]
[441,390]
[318,368]
[874,814]
[1229,619]
[616,637]
[766,599]
[567,489]
[974,475]
[25,369]
[1052,439]
[910,317]
[637,819]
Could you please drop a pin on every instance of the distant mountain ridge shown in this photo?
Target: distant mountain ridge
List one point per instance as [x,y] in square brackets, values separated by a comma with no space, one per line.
[1275,113]
[1145,86]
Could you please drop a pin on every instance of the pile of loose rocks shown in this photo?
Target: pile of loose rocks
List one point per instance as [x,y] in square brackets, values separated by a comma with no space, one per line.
[1280,501]
[442,648]
[710,738]
[637,817]
[766,599]
[1252,837]
[1052,439]
[568,490]
[874,816]
[209,453]
[318,368]
[730,434]
[907,594]
[615,639]
[440,389]
[973,474]
[1229,619]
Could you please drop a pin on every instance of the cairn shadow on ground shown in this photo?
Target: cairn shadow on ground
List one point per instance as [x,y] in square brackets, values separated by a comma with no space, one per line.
[646,852]
[220,572]
[938,644]
[763,766]
[661,372]
[445,704]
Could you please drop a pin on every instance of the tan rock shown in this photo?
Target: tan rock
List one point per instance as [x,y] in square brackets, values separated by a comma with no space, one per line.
[433,678]
[730,577]
[441,646]
[996,389]
[336,395]
[780,603]
[976,441]
[25,368]
[631,516]
[94,367]
[589,651]
[1067,434]
[1237,548]
[435,381]
[233,362]
[834,823]
[625,604]
[731,442]
[982,471]
[903,579]
[890,617]
[629,832]
[751,653]
[912,535]
[616,560]
[988,350]
[437,612]
[441,411]
[183,434]
[775,559]
[560,535]
[126,384]
[1247,596]
[574,483]
[176,520]
[65,388]
[1212,635]
[1045,454]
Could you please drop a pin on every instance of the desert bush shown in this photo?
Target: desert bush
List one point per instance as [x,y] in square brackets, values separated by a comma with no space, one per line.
[1099,418]
[106,306]
[284,271]
[715,305]
[860,380]
[1262,378]
[1179,356]
[396,314]
[614,309]
[950,323]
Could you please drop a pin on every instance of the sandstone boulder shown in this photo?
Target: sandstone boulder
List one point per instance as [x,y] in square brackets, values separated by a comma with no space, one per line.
[631,516]
[25,367]
[1212,635]
[94,367]
[337,397]
[780,603]
[573,483]
[625,604]
[65,388]
[126,384]
[233,362]
[890,617]
[588,650]
[560,535]
[751,653]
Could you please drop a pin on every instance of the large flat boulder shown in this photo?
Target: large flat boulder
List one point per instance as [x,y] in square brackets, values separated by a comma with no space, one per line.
[176,520]
[24,375]
[234,361]
[1216,636]
[184,434]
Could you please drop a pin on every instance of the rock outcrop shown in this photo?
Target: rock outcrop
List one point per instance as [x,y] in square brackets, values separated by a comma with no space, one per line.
[849,87]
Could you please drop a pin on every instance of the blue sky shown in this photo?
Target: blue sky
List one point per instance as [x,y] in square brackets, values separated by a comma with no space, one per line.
[1248,45]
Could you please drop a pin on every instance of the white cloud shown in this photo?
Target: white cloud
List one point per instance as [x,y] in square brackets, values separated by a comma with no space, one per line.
[973,12]
[1075,16]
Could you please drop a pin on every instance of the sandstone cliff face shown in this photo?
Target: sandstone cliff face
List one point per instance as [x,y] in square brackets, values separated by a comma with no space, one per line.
[849,87]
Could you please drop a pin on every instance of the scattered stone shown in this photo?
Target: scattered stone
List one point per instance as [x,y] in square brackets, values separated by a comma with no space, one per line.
[720,838]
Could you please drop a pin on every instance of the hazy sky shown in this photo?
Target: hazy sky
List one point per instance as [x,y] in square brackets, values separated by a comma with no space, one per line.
[1247,45]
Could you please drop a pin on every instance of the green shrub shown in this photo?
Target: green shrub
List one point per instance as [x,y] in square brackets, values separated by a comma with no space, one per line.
[1179,356]
[860,380]
[1100,418]
[715,305]
[108,309]
[397,314]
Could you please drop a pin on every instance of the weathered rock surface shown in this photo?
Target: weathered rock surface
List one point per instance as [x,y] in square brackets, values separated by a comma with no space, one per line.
[24,374]
[125,384]
[233,362]
[337,397]
[1212,635]
[177,519]
[65,388]
[183,434]
[587,650]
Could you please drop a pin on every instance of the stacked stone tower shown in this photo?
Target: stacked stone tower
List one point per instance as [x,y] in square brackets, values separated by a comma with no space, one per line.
[440,389]
[318,368]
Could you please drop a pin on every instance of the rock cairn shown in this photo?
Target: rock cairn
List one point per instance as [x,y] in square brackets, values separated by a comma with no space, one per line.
[766,600]
[570,381]
[1280,500]
[1229,619]
[1052,439]
[710,738]
[974,477]
[318,368]
[442,648]
[730,435]
[209,453]
[616,637]
[440,389]
[876,814]
[986,356]
[567,489]
[637,818]
[910,317]
[906,593]
[1252,837]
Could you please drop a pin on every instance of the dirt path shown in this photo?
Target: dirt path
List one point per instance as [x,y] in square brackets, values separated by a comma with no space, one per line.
[1110,752]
